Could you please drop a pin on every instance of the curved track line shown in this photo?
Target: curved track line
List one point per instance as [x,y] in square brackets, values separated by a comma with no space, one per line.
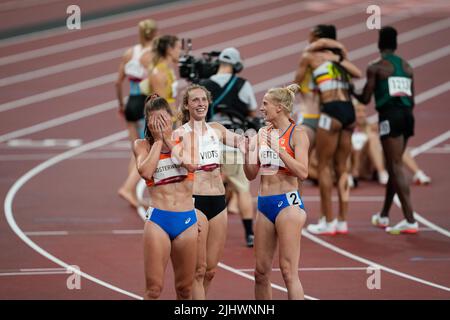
[370,263]
[35,171]
[415,152]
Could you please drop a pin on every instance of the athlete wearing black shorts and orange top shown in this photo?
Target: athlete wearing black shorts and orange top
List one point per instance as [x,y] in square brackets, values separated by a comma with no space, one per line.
[390,79]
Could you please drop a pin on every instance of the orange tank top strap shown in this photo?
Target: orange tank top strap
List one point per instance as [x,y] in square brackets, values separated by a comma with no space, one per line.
[285,139]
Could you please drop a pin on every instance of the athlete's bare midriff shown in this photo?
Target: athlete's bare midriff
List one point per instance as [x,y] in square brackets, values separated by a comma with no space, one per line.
[277,184]
[208,183]
[173,196]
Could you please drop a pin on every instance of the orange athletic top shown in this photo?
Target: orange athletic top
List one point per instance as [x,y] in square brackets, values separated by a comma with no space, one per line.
[268,158]
[167,171]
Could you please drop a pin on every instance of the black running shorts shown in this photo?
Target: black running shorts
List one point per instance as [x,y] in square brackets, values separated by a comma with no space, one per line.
[395,121]
[134,110]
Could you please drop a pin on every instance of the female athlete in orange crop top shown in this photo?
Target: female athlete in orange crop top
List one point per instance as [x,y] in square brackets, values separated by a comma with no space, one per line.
[161,162]
[283,159]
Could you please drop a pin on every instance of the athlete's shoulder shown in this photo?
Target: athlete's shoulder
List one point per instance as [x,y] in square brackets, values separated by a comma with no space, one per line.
[128,54]
[141,145]
[376,62]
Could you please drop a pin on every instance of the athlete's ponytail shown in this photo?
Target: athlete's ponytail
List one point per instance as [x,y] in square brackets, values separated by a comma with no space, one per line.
[285,96]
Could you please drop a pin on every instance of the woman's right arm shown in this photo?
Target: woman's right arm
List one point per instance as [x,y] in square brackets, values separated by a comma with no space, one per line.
[147,156]
[251,165]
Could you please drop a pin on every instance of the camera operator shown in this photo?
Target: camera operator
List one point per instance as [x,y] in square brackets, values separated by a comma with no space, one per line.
[234,105]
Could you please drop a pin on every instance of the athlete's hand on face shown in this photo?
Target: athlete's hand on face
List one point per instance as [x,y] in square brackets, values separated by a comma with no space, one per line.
[156,127]
[166,125]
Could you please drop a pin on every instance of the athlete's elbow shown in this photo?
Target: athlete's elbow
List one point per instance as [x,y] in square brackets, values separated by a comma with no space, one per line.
[302,173]
[144,172]
[358,74]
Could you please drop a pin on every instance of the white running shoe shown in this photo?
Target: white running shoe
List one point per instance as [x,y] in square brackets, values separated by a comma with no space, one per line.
[383,177]
[341,227]
[323,227]
[404,227]
[420,178]
[379,221]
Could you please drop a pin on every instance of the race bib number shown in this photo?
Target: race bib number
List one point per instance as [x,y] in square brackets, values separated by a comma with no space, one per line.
[385,128]
[294,199]
[325,122]
[399,86]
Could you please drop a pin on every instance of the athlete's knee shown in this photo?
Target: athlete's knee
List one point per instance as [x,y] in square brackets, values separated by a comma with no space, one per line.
[210,274]
[287,271]
[200,272]
[184,291]
[153,291]
[262,275]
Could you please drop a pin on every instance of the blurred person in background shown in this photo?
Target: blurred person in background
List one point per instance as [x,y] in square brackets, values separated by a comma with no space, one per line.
[133,66]
[390,79]
[332,73]
[162,78]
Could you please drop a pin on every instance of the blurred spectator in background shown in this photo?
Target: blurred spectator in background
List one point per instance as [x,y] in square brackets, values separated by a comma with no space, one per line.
[367,153]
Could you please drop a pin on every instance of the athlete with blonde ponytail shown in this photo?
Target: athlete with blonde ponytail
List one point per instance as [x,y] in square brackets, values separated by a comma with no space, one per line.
[280,153]
[133,66]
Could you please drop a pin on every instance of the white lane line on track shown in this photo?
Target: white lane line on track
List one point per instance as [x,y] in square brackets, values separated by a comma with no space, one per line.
[86,156]
[414,153]
[31,273]
[131,32]
[60,120]
[244,40]
[83,232]
[35,171]
[112,19]
[108,78]
[315,269]
[46,233]
[247,276]
[369,262]
[258,88]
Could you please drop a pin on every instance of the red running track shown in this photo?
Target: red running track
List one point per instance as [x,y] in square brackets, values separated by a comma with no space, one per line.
[64,211]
